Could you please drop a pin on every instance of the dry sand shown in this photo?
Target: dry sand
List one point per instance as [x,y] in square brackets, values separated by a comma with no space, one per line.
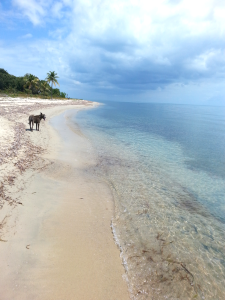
[56,240]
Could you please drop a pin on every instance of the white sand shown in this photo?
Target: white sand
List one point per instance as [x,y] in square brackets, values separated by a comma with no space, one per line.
[57,243]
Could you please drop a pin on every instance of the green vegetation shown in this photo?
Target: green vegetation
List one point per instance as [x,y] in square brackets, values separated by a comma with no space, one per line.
[51,78]
[30,85]
[45,88]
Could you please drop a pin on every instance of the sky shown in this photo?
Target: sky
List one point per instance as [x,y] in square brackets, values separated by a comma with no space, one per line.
[169,51]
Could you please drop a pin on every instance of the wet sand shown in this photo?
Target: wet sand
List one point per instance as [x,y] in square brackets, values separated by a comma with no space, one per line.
[59,241]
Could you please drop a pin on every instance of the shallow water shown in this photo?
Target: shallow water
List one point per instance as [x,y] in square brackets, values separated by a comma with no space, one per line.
[166,167]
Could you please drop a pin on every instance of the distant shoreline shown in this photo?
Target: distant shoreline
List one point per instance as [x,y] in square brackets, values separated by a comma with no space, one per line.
[6,94]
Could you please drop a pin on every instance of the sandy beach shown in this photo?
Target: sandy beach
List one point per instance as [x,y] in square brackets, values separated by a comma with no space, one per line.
[55,235]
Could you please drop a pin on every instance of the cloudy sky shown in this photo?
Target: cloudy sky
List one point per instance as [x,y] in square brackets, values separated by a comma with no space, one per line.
[124,50]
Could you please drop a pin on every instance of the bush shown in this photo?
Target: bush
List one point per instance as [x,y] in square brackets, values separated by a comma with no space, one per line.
[56,92]
[63,95]
[26,84]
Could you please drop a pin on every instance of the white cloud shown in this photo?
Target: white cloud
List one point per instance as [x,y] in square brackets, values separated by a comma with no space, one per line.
[77,82]
[56,9]
[27,36]
[33,9]
[40,12]
[128,45]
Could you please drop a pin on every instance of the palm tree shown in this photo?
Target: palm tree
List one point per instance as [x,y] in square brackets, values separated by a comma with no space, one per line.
[51,78]
[44,87]
[31,81]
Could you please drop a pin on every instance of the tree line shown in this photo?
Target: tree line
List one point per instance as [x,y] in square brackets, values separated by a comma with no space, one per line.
[31,84]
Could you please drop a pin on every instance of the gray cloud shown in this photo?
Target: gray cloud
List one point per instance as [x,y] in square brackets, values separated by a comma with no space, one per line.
[126,47]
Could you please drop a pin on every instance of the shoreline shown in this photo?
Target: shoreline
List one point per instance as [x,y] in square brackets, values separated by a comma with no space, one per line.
[59,241]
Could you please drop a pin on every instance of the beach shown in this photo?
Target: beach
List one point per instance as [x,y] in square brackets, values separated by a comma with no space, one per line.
[55,217]
[111,201]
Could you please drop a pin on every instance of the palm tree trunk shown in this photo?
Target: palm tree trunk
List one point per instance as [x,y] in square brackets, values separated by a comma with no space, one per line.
[51,89]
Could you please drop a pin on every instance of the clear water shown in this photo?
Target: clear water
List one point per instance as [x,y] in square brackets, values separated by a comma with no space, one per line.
[166,166]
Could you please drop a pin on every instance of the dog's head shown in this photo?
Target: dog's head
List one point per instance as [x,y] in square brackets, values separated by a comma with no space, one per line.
[43,116]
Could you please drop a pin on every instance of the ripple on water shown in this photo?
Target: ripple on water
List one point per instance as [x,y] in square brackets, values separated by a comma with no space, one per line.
[171,245]
[169,214]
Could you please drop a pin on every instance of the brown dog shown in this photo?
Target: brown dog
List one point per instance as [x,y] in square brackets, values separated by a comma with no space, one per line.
[36,119]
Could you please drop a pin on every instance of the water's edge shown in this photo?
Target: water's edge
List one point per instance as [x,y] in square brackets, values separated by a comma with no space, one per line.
[171,241]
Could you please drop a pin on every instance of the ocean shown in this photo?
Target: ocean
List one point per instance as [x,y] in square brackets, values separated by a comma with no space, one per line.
[165,165]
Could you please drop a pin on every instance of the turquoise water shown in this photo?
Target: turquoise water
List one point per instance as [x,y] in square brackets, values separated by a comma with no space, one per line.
[166,166]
